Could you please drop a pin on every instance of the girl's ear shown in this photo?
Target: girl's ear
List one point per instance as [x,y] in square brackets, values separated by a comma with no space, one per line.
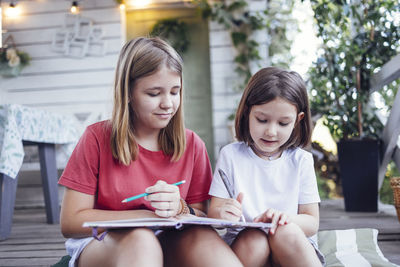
[300,116]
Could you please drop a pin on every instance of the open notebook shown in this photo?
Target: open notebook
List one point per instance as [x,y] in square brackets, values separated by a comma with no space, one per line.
[162,223]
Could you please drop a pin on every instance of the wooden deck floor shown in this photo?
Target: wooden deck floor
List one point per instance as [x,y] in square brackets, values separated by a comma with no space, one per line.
[35,243]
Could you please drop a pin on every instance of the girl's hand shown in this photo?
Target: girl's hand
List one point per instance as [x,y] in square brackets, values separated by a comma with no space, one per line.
[231,209]
[165,198]
[275,217]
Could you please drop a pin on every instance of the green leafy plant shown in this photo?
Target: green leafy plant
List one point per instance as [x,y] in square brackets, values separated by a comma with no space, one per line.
[358,39]
[236,17]
[280,23]
[173,30]
[241,23]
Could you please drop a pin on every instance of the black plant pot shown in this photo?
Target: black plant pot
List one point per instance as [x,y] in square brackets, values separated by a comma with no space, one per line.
[359,165]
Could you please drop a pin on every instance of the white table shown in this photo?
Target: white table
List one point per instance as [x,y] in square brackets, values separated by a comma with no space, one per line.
[19,126]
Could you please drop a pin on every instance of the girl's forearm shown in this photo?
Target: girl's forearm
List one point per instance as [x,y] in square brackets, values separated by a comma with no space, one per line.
[309,224]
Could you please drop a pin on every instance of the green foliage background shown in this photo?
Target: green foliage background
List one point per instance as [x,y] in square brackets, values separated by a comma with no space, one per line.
[359,37]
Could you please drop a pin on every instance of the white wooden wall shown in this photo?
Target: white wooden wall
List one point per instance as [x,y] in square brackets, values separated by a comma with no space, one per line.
[83,87]
[54,82]
[225,96]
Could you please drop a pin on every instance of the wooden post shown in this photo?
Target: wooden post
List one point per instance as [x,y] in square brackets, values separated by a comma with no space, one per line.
[390,136]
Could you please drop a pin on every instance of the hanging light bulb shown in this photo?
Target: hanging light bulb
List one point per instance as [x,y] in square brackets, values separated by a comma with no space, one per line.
[74,7]
[12,11]
[139,3]
[122,6]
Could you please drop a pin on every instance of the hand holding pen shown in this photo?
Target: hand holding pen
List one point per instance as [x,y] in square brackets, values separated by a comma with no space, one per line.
[232,209]
[165,198]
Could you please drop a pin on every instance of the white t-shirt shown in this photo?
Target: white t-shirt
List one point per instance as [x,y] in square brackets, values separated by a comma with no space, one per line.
[282,184]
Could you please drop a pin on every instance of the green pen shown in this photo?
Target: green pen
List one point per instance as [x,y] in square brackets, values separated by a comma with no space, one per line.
[146,194]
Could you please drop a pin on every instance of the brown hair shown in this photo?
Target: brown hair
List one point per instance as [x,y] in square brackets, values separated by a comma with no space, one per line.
[141,57]
[263,87]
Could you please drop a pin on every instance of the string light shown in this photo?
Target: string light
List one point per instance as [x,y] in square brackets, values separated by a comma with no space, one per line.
[139,3]
[74,7]
[12,11]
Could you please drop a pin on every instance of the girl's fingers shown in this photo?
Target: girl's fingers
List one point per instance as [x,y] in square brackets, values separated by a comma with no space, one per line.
[165,205]
[283,220]
[231,209]
[165,213]
[264,217]
[162,186]
[230,217]
[270,213]
[167,197]
[274,221]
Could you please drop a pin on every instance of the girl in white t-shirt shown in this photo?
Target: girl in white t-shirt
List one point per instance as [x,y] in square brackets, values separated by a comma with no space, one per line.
[272,175]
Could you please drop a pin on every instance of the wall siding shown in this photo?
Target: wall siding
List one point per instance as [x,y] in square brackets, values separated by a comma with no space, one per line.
[52,81]
[225,95]
[81,87]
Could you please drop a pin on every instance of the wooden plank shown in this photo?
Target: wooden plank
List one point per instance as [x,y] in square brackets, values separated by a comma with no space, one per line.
[396,157]
[33,254]
[100,78]
[389,72]
[390,136]
[42,50]
[30,262]
[97,94]
[33,240]
[65,64]
[56,19]
[76,108]
[32,36]
[30,247]
[333,216]
[391,250]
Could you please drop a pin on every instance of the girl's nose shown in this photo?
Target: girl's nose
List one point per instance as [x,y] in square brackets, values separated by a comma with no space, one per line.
[270,130]
[166,102]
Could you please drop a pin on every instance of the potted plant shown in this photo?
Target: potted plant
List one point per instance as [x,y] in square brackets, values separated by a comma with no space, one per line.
[12,60]
[358,37]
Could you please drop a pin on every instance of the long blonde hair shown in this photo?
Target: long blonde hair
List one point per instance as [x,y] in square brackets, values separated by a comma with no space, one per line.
[138,58]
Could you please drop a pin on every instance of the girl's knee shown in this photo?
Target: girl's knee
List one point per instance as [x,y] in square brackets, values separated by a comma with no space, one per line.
[253,242]
[121,248]
[200,232]
[289,235]
[140,238]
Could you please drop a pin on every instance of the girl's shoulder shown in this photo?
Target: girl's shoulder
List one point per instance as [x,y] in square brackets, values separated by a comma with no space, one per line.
[192,136]
[100,130]
[100,126]
[298,154]
[235,148]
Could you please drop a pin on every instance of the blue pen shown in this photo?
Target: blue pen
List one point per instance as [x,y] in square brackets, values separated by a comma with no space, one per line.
[146,194]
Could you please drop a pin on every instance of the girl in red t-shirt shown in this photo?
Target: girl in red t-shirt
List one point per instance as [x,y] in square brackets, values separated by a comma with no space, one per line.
[143,148]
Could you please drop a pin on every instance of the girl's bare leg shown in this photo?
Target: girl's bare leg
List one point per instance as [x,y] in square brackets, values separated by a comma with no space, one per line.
[290,247]
[251,247]
[139,247]
[196,246]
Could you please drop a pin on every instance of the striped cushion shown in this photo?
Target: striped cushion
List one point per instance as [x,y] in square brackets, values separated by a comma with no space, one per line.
[352,248]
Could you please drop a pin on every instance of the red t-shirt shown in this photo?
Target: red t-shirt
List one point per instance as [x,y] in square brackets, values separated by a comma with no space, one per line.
[92,169]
